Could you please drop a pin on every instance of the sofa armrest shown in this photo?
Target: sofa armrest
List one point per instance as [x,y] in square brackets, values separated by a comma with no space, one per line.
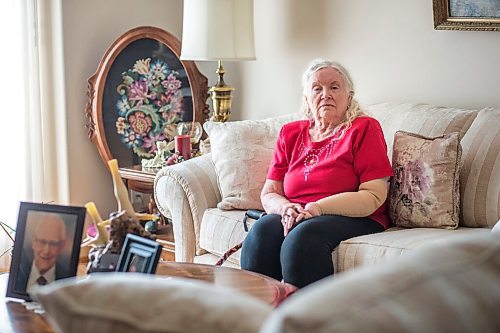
[184,191]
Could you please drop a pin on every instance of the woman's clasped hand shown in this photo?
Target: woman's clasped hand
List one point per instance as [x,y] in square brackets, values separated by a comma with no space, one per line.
[292,214]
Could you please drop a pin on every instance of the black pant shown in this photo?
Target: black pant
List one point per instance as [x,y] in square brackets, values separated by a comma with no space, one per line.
[305,255]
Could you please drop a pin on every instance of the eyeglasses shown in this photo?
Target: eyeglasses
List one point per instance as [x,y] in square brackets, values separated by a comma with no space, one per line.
[50,244]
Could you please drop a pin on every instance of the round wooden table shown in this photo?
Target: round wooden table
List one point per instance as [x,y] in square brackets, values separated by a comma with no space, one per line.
[15,318]
[265,288]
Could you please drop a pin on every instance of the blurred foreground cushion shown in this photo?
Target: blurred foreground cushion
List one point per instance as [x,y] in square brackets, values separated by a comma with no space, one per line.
[451,287]
[130,302]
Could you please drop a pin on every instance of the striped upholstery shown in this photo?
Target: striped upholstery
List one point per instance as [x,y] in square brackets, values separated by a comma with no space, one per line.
[451,287]
[394,242]
[221,230]
[480,175]
[423,119]
[211,259]
[185,191]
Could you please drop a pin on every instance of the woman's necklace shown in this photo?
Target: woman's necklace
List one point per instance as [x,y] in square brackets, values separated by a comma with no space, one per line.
[312,156]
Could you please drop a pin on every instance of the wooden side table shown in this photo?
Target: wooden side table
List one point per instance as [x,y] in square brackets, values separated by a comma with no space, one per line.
[141,180]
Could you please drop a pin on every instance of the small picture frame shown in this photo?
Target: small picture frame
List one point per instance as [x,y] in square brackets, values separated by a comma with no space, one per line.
[46,246]
[139,254]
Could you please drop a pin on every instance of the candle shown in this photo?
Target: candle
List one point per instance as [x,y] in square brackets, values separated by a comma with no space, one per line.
[102,234]
[92,210]
[183,146]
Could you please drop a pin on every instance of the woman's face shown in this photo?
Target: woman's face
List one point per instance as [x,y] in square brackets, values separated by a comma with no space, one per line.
[328,96]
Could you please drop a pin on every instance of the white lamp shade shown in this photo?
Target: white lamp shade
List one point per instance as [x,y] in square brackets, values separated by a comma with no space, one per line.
[218,30]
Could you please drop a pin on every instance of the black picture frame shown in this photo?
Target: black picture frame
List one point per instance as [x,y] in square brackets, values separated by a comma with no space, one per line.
[139,254]
[55,248]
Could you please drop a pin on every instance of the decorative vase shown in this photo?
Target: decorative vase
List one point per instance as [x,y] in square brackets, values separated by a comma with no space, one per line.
[120,190]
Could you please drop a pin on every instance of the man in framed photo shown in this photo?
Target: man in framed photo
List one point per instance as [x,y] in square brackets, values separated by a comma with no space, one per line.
[47,242]
[46,247]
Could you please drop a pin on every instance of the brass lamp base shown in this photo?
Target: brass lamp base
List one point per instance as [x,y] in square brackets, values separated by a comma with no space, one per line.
[221,97]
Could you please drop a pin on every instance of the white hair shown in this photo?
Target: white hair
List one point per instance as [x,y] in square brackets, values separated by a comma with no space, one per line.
[353,109]
[52,217]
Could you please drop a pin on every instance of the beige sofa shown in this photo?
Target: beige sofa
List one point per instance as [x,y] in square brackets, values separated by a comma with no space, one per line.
[204,228]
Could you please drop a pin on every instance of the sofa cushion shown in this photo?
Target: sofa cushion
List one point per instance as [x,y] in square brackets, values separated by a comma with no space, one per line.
[241,152]
[480,175]
[392,243]
[424,191]
[423,119]
[221,230]
[133,302]
[452,287]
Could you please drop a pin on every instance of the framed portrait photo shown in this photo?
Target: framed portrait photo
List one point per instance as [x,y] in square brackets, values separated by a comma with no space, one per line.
[139,254]
[46,246]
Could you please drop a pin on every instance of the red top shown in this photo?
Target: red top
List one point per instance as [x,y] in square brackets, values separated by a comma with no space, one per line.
[313,170]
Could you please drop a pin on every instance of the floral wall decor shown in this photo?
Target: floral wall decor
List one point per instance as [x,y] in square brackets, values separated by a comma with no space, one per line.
[139,95]
[149,107]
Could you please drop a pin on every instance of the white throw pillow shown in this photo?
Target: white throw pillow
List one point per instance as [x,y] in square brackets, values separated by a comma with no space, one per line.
[133,302]
[241,152]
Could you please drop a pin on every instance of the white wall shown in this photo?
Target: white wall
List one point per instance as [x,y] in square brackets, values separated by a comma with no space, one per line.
[389,46]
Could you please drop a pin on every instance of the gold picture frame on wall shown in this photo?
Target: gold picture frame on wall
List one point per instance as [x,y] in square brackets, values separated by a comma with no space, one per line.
[476,15]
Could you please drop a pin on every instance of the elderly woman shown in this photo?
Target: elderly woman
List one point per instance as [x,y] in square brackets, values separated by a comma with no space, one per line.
[327,182]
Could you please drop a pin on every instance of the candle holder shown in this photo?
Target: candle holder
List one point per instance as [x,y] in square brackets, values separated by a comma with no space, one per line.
[192,128]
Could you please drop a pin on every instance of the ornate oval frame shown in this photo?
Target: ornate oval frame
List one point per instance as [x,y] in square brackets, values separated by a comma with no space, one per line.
[141,43]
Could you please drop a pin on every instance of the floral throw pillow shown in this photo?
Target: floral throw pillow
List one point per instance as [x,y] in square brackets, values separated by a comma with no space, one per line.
[424,190]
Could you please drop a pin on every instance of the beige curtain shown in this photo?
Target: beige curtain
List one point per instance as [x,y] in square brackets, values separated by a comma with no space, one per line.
[34,165]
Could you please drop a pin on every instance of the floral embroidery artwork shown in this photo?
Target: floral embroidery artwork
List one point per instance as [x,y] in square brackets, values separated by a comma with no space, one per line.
[150,104]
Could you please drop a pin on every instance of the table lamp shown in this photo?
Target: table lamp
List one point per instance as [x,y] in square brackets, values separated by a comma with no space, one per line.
[218,30]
